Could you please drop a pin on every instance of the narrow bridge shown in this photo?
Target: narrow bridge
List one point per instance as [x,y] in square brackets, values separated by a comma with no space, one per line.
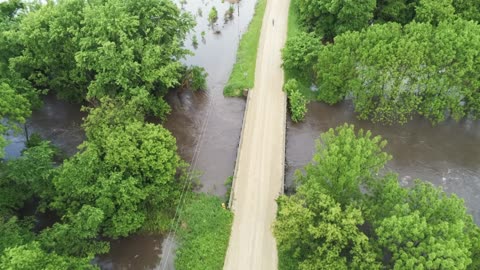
[259,171]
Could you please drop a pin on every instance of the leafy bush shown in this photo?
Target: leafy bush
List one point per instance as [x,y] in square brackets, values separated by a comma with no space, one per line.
[126,168]
[297,102]
[213,15]
[198,78]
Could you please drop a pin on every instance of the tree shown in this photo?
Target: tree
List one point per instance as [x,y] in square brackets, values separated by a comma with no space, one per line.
[48,37]
[329,18]
[130,44]
[400,11]
[393,72]
[314,232]
[126,168]
[92,49]
[297,102]
[335,69]
[14,232]
[76,236]
[28,176]
[300,53]
[31,257]
[9,8]
[421,227]
[434,12]
[469,10]
[213,15]
[344,160]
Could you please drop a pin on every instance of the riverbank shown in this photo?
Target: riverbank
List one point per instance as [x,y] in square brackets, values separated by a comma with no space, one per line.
[243,73]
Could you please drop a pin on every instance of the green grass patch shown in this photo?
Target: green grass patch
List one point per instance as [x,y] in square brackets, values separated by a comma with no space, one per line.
[243,73]
[203,234]
[304,80]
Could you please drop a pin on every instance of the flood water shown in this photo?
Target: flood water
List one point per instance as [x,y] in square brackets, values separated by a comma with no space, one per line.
[207,116]
[207,128]
[446,155]
[57,121]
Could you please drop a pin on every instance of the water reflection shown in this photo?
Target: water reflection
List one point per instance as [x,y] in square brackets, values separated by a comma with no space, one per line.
[138,252]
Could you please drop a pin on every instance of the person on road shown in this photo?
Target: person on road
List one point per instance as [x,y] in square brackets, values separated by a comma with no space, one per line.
[273,22]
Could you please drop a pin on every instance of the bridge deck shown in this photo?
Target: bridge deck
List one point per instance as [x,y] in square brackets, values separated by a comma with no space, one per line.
[260,165]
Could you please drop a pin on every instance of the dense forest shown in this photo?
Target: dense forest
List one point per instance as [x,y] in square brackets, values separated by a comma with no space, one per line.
[120,58]
[393,59]
[348,212]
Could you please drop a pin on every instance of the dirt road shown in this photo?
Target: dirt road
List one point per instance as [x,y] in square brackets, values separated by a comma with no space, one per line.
[260,165]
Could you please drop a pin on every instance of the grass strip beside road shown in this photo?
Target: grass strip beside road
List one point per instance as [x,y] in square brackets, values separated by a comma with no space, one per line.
[243,73]
[203,234]
[304,81]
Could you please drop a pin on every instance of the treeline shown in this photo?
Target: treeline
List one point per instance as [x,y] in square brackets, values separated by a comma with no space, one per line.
[86,50]
[393,59]
[121,57]
[347,215]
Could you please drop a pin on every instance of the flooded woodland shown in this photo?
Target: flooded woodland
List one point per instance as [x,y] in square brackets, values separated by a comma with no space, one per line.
[207,128]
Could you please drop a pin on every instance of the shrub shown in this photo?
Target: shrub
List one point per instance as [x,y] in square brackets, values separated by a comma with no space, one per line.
[297,102]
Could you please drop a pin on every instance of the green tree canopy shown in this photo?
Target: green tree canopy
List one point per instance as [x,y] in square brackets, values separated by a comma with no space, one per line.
[301,52]
[125,168]
[32,257]
[421,226]
[14,232]
[400,11]
[434,11]
[76,236]
[393,72]
[26,177]
[329,18]
[314,232]
[130,44]
[71,243]
[48,39]
[92,49]
[469,10]
[374,223]
[344,160]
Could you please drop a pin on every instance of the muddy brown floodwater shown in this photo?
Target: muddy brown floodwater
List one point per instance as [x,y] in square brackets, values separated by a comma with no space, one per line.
[57,121]
[208,117]
[446,155]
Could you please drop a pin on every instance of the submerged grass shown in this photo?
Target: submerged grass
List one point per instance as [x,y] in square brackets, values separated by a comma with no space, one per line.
[243,73]
[304,80]
[203,234]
